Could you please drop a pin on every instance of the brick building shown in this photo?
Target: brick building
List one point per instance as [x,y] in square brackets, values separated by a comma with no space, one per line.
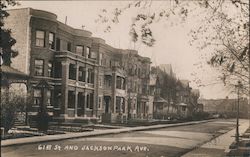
[74,76]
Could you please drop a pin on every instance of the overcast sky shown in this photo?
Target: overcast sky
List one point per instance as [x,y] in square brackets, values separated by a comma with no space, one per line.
[172,42]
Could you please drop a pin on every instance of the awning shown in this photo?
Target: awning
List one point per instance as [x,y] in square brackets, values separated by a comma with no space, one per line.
[9,71]
[181,104]
[159,100]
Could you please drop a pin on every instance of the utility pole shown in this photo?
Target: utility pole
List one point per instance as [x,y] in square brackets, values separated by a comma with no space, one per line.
[249,85]
[237,118]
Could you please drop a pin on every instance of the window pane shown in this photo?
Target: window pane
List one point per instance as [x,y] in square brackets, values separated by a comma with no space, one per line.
[50,69]
[58,44]
[40,36]
[38,67]
[49,98]
[79,49]
[37,93]
[69,46]
[88,52]
[51,37]
[52,40]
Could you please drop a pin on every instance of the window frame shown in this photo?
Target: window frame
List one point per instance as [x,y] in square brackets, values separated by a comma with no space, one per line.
[100,101]
[52,44]
[37,98]
[88,53]
[35,67]
[39,40]
[82,52]
[69,46]
[49,98]
[50,73]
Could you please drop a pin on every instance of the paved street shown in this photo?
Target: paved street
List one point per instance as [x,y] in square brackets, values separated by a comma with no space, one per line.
[168,142]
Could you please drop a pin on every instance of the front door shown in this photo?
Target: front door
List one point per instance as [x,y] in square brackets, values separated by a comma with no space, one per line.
[107,103]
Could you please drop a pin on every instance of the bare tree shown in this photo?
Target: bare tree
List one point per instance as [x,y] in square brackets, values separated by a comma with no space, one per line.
[223,26]
[6,41]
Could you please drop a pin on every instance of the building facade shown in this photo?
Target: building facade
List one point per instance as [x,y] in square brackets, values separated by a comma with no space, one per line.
[74,76]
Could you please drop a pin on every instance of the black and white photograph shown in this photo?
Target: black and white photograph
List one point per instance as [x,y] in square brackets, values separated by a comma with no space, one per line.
[125,78]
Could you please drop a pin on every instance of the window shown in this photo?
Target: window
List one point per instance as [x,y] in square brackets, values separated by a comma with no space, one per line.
[58,44]
[88,102]
[58,71]
[72,71]
[90,78]
[100,81]
[107,81]
[39,67]
[100,102]
[123,105]
[69,46]
[57,96]
[88,52]
[93,55]
[123,83]
[81,100]
[37,97]
[90,98]
[52,41]
[49,98]
[40,38]
[118,104]
[100,59]
[50,69]
[79,50]
[82,74]
[71,99]
[118,82]
[110,64]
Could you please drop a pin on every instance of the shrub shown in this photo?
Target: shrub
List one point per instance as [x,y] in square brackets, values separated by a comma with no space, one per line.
[10,104]
[199,116]
[42,120]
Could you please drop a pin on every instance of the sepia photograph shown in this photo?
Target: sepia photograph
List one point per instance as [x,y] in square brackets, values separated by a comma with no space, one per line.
[125,78]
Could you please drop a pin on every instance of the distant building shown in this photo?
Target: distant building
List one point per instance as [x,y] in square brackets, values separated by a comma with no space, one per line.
[187,98]
[225,107]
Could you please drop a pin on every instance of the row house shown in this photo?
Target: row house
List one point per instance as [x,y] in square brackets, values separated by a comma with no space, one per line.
[60,61]
[163,89]
[187,98]
[74,76]
[172,97]
[138,77]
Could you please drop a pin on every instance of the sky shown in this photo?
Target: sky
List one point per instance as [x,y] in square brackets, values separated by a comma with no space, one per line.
[172,41]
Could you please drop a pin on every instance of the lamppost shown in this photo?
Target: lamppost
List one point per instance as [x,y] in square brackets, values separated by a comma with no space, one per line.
[238,86]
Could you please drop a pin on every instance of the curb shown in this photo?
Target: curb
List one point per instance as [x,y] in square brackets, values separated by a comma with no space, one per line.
[49,138]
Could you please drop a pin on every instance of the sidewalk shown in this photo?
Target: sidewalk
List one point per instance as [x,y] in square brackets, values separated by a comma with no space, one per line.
[37,139]
[220,145]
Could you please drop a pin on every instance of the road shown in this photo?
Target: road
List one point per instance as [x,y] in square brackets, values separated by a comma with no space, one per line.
[167,142]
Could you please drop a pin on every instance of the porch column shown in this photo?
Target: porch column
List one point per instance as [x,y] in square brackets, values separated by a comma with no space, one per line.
[65,76]
[113,104]
[86,75]
[30,96]
[76,102]
[44,97]
[77,72]
[95,93]
[85,104]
